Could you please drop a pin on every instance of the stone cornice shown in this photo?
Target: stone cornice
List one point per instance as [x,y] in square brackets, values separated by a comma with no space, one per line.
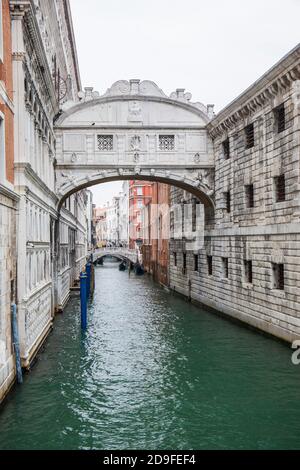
[148,98]
[11,194]
[274,82]
[5,98]
[18,8]
[26,168]
[25,10]
[69,22]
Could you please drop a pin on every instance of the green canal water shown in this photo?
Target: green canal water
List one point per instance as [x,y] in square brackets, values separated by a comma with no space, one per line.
[153,372]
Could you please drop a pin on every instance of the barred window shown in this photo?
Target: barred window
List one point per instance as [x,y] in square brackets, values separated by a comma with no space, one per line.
[248,271]
[227,198]
[279,113]
[183,263]
[278,276]
[166,142]
[249,134]
[105,143]
[225,269]
[279,183]
[249,188]
[196,262]
[226,149]
[209,265]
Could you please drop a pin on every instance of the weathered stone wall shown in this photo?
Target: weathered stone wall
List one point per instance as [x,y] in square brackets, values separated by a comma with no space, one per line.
[7,289]
[267,234]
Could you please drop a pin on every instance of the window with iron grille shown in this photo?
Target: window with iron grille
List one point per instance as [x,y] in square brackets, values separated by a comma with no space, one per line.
[278,276]
[175,258]
[166,143]
[249,189]
[249,135]
[226,149]
[225,270]
[183,263]
[196,262]
[279,183]
[105,143]
[194,215]
[209,265]
[279,113]
[227,201]
[248,271]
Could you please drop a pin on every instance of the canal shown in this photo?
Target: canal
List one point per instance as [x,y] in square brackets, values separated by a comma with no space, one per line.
[153,372]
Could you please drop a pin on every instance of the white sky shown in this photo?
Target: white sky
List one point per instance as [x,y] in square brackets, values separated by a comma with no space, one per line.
[212,48]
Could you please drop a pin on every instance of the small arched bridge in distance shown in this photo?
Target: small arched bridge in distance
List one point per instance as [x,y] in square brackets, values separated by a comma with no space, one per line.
[125,254]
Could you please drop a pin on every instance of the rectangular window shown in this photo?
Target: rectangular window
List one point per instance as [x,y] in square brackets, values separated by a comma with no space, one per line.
[227,201]
[279,114]
[249,136]
[196,263]
[248,271]
[225,270]
[249,189]
[209,265]
[175,258]
[183,263]
[278,276]
[279,184]
[105,143]
[139,191]
[226,149]
[166,143]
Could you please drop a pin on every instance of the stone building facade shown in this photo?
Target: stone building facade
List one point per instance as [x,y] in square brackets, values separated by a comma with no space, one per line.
[51,245]
[8,203]
[249,267]
[155,219]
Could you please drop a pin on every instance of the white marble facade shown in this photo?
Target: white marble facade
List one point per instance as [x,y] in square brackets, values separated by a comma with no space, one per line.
[45,75]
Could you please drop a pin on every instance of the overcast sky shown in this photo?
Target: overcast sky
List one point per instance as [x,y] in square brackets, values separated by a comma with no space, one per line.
[212,48]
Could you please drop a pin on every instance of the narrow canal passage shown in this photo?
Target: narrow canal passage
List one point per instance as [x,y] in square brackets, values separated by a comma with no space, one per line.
[153,372]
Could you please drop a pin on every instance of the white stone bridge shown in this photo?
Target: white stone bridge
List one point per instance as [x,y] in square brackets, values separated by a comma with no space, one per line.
[121,253]
[135,131]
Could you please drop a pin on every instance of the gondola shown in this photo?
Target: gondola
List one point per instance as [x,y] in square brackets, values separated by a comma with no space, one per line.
[122,266]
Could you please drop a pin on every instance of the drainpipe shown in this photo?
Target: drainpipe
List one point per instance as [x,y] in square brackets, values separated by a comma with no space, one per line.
[16,344]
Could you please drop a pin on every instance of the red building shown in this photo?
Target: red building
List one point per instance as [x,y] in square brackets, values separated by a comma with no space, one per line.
[140,194]
[155,247]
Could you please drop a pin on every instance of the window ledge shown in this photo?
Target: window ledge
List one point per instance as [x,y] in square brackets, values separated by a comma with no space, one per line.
[278,293]
[247,285]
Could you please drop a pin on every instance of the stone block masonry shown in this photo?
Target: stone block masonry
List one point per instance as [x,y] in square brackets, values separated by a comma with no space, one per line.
[254,244]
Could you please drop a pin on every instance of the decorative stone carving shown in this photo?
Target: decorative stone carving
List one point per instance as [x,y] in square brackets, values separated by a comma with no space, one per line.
[197,158]
[135,87]
[180,95]
[135,143]
[135,112]
[74,157]
[204,179]
[136,157]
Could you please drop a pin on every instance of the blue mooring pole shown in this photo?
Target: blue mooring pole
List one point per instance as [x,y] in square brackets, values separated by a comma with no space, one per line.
[16,344]
[88,273]
[83,300]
